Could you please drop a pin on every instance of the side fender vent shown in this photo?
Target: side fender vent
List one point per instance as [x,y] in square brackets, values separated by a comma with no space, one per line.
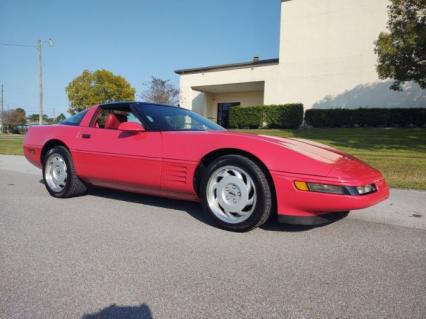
[175,174]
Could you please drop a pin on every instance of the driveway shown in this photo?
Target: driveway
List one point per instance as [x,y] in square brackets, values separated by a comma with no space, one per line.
[119,255]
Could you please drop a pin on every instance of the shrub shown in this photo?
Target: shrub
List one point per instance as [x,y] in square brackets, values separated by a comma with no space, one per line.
[246,117]
[284,116]
[274,116]
[366,117]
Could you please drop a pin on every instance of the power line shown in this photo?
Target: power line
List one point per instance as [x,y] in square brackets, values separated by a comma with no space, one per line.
[17,45]
[40,77]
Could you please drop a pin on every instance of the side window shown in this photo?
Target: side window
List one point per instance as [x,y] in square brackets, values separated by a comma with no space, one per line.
[112,118]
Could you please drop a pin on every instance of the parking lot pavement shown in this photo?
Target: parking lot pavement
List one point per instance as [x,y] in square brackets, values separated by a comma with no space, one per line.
[17,164]
[119,255]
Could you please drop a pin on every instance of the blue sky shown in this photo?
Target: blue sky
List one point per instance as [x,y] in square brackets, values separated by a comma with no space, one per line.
[135,39]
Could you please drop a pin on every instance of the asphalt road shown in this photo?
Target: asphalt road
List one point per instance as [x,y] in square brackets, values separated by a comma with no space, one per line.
[118,255]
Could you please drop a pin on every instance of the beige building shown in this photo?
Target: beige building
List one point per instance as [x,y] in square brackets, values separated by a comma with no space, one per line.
[326,59]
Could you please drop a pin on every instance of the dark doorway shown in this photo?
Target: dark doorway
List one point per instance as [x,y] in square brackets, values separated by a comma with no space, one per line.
[223,113]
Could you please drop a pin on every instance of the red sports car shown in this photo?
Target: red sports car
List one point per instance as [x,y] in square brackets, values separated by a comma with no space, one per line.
[241,179]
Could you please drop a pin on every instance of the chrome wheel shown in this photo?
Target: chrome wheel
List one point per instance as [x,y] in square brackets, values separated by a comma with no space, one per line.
[56,172]
[231,194]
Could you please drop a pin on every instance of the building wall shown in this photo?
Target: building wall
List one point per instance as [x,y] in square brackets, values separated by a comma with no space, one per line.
[197,101]
[245,99]
[326,57]
[327,51]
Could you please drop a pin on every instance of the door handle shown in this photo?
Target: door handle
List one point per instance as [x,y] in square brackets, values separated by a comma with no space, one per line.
[86,135]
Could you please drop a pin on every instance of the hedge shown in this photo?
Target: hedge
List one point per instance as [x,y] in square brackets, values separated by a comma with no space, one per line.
[246,117]
[284,116]
[273,116]
[366,117]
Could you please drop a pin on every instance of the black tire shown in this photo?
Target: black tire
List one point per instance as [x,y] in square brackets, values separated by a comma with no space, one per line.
[263,208]
[73,185]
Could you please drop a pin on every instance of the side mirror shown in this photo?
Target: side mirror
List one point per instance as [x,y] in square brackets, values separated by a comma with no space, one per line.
[131,127]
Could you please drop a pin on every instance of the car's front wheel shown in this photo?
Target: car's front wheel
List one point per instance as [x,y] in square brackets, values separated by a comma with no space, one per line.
[59,174]
[236,193]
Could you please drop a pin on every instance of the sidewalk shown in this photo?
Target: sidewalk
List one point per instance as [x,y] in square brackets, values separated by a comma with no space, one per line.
[404,207]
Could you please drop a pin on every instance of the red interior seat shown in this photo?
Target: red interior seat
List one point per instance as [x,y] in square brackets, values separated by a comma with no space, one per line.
[112,120]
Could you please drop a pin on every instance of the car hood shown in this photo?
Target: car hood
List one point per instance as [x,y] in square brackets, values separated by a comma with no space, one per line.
[335,163]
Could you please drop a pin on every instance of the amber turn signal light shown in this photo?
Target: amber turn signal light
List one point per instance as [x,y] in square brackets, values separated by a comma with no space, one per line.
[301,186]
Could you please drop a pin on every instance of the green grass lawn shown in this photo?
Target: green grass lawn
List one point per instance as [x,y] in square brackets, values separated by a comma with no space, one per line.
[11,144]
[399,153]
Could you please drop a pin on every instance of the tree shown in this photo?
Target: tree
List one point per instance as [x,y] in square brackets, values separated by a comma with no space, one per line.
[60,118]
[160,91]
[48,120]
[97,87]
[34,118]
[12,119]
[402,51]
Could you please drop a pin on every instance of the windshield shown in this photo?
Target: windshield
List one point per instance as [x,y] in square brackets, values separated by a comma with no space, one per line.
[75,119]
[170,118]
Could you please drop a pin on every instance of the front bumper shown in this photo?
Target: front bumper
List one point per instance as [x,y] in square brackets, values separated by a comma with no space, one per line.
[305,206]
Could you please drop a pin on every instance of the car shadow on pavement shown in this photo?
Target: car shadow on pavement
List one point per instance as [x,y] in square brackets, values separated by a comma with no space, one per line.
[121,312]
[274,225]
[193,209]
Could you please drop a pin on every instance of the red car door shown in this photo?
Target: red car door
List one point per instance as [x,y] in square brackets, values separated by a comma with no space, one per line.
[111,158]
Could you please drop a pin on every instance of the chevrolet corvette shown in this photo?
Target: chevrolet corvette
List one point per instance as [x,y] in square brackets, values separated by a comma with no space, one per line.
[241,179]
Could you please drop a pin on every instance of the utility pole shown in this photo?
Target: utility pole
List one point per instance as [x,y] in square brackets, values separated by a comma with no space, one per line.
[40,79]
[2,110]
[40,67]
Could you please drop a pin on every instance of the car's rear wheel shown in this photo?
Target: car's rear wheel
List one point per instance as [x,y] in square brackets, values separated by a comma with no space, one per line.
[236,193]
[59,174]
